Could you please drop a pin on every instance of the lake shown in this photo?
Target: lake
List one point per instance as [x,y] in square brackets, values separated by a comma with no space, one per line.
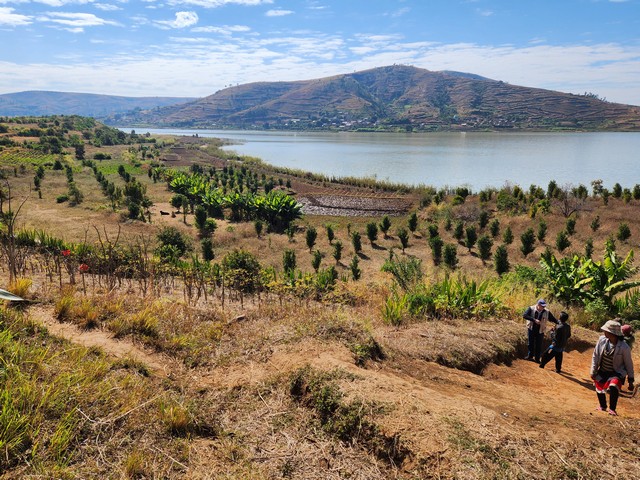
[474,159]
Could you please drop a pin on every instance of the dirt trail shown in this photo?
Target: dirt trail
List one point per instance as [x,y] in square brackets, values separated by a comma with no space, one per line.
[506,398]
[118,348]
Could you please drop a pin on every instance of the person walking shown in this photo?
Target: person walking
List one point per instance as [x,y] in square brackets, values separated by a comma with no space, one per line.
[610,364]
[537,317]
[560,335]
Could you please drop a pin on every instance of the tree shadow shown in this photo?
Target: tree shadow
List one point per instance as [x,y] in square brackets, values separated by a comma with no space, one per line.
[363,256]
[375,246]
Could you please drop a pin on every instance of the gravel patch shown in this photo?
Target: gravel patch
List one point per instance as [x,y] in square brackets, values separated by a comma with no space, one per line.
[353,206]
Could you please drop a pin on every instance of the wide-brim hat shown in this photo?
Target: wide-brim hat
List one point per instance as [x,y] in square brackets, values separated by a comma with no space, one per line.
[613,327]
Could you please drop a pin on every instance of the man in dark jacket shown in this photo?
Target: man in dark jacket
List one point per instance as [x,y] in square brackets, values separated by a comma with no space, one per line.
[560,336]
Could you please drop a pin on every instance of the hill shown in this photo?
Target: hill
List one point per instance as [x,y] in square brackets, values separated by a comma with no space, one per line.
[40,103]
[393,97]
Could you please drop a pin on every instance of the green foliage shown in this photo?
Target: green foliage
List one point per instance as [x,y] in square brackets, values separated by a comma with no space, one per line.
[483,219]
[494,228]
[624,232]
[436,243]
[507,236]
[528,240]
[403,236]
[542,231]
[413,222]
[289,261]
[330,233]
[562,241]
[450,255]
[581,280]
[484,247]
[406,271]
[337,251]
[372,232]
[501,260]
[356,242]
[385,225]
[471,237]
[588,248]
[458,230]
[356,272]
[173,243]
[242,270]
[595,223]
[570,225]
[207,249]
[311,236]
[316,260]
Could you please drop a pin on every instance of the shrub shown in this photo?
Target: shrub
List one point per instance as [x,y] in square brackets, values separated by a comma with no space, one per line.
[570,225]
[356,241]
[289,261]
[471,237]
[483,219]
[207,249]
[595,223]
[484,247]
[171,236]
[385,225]
[330,233]
[528,241]
[407,272]
[436,244]
[458,230]
[542,231]
[624,232]
[372,232]
[62,198]
[507,236]
[242,269]
[588,248]
[355,269]
[337,251]
[311,237]
[413,222]
[501,260]
[316,259]
[450,255]
[403,236]
[494,228]
[562,241]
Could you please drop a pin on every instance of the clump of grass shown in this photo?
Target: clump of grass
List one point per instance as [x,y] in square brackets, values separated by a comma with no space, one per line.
[64,304]
[20,287]
[135,465]
[144,323]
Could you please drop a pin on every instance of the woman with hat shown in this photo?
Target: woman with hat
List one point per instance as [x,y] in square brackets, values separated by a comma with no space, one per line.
[610,364]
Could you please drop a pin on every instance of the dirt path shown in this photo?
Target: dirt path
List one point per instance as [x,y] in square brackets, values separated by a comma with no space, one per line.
[118,348]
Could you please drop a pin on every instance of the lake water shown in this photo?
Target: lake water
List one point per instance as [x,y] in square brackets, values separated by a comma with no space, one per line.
[474,159]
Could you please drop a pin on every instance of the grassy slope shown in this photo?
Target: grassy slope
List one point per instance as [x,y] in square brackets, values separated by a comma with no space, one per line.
[223,406]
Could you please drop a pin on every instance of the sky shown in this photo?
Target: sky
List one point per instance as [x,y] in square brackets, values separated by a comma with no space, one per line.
[193,48]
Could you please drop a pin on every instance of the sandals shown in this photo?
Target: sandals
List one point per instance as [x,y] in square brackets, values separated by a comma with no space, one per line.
[612,413]
[600,409]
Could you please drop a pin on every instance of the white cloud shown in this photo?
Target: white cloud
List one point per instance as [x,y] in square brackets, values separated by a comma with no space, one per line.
[107,7]
[278,13]
[223,29]
[74,22]
[182,20]
[7,17]
[220,3]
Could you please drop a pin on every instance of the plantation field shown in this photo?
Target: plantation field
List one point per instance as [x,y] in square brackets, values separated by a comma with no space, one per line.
[187,319]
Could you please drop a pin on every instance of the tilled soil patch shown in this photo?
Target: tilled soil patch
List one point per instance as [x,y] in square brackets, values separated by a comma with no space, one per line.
[353,206]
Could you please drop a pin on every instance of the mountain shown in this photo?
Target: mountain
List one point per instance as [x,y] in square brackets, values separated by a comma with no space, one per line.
[40,103]
[392,97]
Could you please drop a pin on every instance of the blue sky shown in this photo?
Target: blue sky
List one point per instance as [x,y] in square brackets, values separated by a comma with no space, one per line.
[196,47]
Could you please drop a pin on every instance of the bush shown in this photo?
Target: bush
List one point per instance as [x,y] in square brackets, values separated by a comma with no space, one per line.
[356,241]
[62,198]
[507,236]
[484,247]
[171,236]
[436,244]
[501,260]
[624,232]
[528,241]
[450,255]
[494,228]
[562,241]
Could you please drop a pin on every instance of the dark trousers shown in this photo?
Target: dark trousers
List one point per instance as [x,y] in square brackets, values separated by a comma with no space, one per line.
[613,399]
[534,343]
[548,355]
